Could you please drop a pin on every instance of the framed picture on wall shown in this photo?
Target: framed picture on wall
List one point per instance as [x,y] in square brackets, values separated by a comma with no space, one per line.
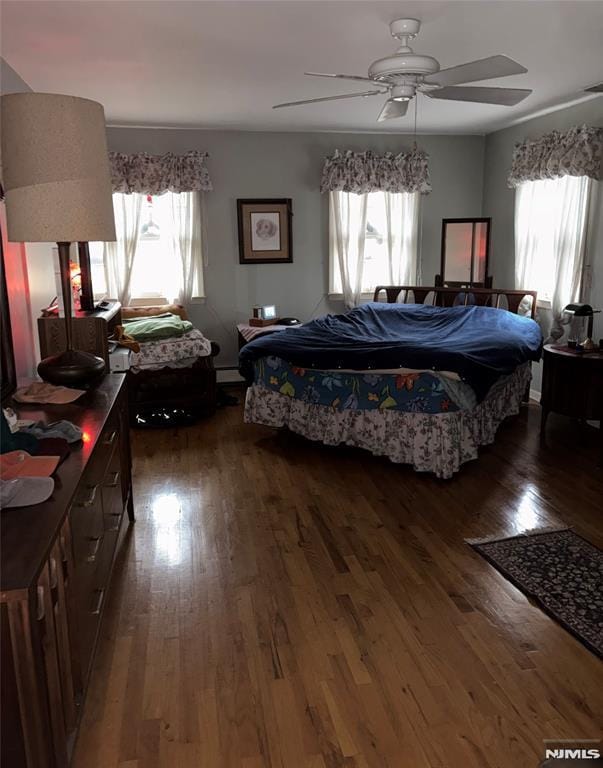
[265,231]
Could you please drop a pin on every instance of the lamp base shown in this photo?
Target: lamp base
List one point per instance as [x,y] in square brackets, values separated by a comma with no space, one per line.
[72,368]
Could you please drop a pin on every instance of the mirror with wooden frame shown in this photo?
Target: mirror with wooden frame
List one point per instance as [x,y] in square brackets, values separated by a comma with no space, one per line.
[465,252]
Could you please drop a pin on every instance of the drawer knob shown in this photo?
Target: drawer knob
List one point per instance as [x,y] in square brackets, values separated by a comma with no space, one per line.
[91,497]
[95,542]
[53,573]
[98,603]
[115,518]
[40,610]
[114,481]
[111,439]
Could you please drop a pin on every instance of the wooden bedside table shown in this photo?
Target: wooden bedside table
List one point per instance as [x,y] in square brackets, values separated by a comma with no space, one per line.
[572,385]
[247,333]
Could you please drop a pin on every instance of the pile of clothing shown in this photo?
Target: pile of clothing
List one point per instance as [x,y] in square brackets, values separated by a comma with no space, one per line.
[30,452]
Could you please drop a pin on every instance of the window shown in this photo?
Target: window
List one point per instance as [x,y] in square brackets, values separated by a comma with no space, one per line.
[550,226]
[158,251]
[373,241]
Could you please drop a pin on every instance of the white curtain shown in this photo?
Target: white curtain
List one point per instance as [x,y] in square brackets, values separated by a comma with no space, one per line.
[347,235]
[119,256]
[550,238]
[402,217]
[187,243]
[389,257]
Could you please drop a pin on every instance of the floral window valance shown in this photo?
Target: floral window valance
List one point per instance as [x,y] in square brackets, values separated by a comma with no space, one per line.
[156,174]
[576,152]
[362,172]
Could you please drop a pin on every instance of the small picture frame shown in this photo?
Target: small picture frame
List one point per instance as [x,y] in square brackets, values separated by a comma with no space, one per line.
[265,231]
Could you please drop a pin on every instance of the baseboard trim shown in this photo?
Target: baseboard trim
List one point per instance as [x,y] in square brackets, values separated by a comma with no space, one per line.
[228,376]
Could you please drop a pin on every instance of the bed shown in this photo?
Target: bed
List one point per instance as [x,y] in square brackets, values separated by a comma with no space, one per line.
[171,379]
[422,375]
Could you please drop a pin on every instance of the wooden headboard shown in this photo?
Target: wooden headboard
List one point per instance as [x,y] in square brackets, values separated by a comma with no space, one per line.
[449,297]
[133,313]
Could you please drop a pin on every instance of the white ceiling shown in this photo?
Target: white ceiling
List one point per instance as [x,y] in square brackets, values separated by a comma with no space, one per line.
[223,64]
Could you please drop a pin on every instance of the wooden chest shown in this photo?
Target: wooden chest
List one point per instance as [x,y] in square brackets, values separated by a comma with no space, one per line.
[91,332]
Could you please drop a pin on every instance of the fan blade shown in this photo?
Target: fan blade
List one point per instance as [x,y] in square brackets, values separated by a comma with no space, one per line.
[391,109]
[482,69]
[328,98]
[506,97]
[346,77]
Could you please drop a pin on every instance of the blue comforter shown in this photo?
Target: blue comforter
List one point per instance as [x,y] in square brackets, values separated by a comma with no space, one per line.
[479,343]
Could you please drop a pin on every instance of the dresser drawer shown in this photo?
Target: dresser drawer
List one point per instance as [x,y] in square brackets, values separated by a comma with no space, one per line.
[105,446]
[87,524]
[111,492]
[87,511]
[96,520]
[89,608]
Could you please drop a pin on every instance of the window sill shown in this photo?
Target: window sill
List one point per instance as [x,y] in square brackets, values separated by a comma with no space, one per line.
[339,296]
[155,301]
[543,304]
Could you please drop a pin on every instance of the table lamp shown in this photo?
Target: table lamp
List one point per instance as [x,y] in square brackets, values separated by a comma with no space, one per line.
[57,188]
[584,311]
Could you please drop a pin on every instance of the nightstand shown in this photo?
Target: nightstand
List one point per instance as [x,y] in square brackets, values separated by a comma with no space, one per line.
[248,332]
[572,385]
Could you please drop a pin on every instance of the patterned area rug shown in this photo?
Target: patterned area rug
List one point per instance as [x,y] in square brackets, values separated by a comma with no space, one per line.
[562,572]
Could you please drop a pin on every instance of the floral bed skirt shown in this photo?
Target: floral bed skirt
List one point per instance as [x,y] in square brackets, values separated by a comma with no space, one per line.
[431,442]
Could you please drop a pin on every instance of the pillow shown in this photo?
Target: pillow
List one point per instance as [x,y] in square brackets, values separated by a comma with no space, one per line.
[157,327]
[132,313]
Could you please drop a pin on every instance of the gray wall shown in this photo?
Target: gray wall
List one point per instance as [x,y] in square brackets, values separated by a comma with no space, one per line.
[19,276]
[10,81]
[256,164]
[499,199]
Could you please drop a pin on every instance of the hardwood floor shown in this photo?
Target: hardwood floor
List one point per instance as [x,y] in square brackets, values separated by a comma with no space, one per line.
[281,603]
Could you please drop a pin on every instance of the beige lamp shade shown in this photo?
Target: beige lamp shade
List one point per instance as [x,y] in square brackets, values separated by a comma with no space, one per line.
[55,169]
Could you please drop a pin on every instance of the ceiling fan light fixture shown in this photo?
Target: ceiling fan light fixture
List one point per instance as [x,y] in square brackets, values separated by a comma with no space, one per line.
[402,93]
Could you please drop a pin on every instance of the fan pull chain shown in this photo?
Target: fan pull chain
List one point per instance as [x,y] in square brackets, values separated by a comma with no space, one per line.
[416,100]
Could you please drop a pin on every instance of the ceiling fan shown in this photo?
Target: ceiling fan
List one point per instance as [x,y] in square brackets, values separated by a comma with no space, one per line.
[405,73]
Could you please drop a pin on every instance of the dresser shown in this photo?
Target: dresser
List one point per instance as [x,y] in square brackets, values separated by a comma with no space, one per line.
[57,559]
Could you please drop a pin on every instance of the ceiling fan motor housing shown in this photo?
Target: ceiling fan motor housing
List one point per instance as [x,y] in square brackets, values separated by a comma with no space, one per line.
[401,64]
[405,28]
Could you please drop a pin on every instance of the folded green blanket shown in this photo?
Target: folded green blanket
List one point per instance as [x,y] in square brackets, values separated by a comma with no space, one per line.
[157,327]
